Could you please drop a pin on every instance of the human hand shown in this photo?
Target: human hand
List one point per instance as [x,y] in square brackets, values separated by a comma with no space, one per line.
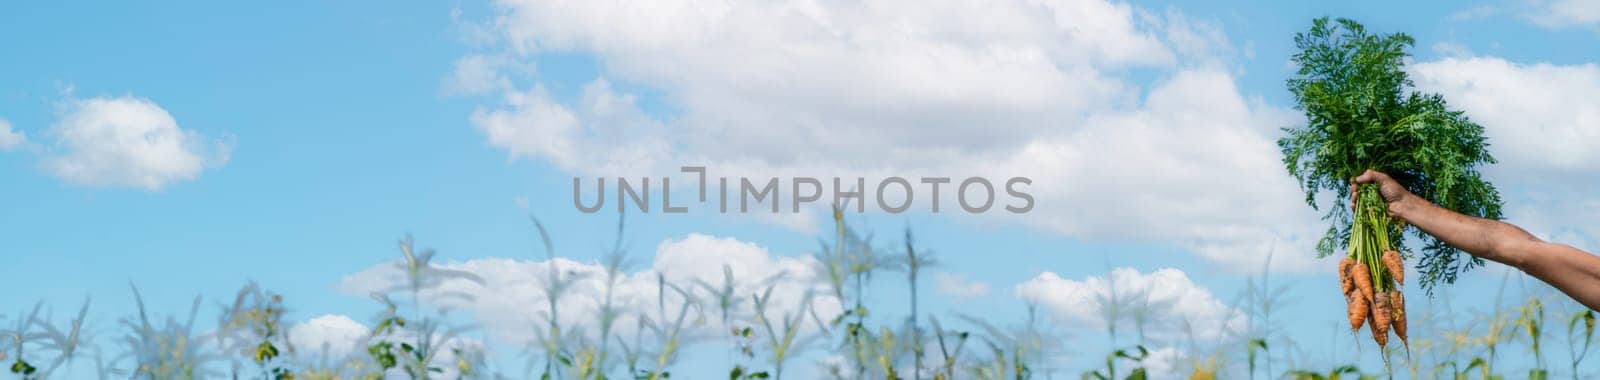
[1394,195]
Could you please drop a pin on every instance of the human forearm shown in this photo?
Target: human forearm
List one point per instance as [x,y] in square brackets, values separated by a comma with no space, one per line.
[1489,239]
[1569,269]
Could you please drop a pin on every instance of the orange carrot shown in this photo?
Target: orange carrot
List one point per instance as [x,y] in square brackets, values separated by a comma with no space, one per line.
[1399,310]
[1363,280]
[1381,318]
[1358,309]
[1361,307]
[1391,262]
[1346,283]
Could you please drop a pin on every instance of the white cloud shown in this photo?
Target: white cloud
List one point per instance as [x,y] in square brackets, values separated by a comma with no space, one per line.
[1563,13]
[775,82]
[912,88]
[1558,213]
[1549,14]
[1542,129]
[484,74]
[476,74]
[1451,49]
[127,142]
[1535,115]
[1167,363]
[957,286]
[335,336]
[1165,297]
[605,133]
[1196,166]
[9,138]
[512,301]
[804,222]
[1476,12]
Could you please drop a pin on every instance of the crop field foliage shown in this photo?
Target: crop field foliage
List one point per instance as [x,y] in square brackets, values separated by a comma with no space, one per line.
[767,337]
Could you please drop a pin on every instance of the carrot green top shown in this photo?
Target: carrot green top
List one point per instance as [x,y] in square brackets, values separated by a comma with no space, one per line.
[1362,113]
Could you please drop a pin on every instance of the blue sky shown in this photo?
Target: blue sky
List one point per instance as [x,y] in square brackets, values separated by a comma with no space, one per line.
[325,131]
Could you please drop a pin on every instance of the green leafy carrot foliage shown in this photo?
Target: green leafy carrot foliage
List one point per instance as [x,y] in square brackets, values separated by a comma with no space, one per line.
[1363,113]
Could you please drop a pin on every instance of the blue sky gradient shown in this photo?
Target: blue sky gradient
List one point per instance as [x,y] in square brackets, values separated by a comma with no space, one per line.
[344,139]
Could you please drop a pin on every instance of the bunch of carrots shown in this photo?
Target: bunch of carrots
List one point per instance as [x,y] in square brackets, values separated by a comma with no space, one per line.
[1362,113]
[1372,273]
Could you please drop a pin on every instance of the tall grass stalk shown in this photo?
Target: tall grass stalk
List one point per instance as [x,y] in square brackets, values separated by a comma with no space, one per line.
[1498,324]
[555,284]
[1531,322]
[252,326]
[913,264]
[669,335]
[849,263]
[169,350]
[615,261]
[781,340]
[1112,305]
[423,337]
[1203,363]
[19,338]
[950,345]
[633,352]
[727,300]
[1263,301]
[1578,346]
[1014,353]
[68,343]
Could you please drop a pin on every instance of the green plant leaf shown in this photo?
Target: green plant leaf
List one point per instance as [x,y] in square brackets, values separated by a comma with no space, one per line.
[1361,113]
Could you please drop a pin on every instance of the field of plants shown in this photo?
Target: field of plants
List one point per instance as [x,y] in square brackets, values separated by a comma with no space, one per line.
[1544,335]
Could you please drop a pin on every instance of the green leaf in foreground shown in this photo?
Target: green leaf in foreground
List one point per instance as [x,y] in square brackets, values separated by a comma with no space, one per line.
[1361,112]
